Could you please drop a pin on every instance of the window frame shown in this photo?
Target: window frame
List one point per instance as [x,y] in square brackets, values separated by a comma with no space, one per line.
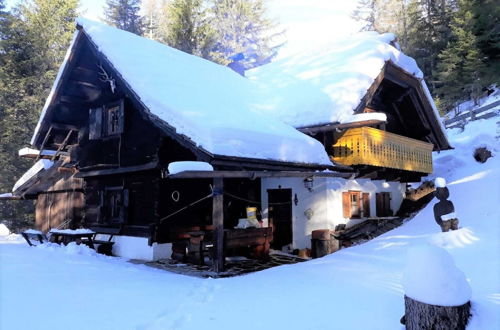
[116,110]
[115,204]
[107,120]
[363,204]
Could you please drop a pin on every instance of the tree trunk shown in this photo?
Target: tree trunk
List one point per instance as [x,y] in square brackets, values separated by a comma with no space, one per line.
[421,316]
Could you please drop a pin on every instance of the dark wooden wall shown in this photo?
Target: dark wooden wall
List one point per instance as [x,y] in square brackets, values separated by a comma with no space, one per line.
[61,202]
[141,211]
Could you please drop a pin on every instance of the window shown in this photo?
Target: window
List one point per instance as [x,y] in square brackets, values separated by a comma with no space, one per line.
[356,204]
[106,120]
[115,120]
[115,204]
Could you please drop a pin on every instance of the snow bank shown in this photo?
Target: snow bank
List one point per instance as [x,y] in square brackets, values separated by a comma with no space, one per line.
[72,231]
[33,231]
[4,231]
[71,249]
[431,277]
[208,103]
[177,167]
[42,164]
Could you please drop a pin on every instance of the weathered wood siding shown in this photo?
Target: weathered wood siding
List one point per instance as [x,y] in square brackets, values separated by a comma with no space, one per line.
[141,209]
[61,203]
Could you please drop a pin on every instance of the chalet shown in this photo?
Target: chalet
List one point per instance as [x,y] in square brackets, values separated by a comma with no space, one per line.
[167,152]
[368,104]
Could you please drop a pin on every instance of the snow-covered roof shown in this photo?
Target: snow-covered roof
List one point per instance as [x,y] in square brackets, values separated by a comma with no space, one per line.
[325,84]
[41,165]
[208,103]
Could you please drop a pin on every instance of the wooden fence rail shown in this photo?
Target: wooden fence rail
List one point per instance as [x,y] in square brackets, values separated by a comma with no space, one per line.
[472,115]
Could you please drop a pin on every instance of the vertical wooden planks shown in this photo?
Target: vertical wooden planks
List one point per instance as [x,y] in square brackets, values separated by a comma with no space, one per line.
[218,223]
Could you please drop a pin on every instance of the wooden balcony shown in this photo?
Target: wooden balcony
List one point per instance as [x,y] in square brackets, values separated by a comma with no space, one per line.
[370,146]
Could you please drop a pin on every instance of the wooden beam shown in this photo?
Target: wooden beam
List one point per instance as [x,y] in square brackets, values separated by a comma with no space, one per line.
[370,93]
[110,171]
[65,127]
[331,127]
[271,165]
[256,174]
[61,147]
[47,135]
[73,99]
[218,223]
[86,84]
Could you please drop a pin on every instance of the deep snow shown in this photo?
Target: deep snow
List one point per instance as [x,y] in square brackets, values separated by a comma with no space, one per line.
[49,287]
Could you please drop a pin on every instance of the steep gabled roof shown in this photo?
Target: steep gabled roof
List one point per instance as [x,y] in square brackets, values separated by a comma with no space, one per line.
[209,104]
[326,85]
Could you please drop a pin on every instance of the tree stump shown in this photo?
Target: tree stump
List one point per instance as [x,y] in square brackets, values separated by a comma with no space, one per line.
[421,316]
[482,154]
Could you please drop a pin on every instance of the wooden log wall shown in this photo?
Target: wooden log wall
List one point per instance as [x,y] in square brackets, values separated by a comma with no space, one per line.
[62,203]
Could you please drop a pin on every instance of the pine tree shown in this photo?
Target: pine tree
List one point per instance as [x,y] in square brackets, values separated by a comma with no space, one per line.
[222,31]
[34,40]
[487,31]
[365,13]
[153,18]
[428,32]
[462,67]
[188,28]
[243,33]
[124,14]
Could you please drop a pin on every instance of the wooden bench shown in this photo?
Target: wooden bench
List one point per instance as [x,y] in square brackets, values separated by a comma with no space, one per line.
[34,235]
[105,246]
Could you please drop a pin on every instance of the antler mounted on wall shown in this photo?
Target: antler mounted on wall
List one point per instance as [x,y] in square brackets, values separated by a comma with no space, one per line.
[105,77]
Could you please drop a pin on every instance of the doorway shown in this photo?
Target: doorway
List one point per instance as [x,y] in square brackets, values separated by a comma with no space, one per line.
[280,216]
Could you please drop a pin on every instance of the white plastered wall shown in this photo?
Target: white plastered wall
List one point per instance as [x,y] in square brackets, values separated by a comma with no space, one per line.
[137,248]
[324,202]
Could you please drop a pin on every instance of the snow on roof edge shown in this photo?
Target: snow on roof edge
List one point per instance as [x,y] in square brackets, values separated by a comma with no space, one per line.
[42,164]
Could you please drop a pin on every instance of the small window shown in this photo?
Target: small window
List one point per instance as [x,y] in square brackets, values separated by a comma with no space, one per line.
[115,204]
[115,120]
[356,204]
[106,121]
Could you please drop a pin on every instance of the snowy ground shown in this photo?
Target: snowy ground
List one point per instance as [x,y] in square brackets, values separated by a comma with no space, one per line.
[52,287]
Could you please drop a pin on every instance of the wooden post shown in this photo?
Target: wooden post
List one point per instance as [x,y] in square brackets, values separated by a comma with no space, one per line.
[218,223]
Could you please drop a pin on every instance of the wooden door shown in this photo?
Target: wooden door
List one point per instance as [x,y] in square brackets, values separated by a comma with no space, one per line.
[383,203]
[280,216]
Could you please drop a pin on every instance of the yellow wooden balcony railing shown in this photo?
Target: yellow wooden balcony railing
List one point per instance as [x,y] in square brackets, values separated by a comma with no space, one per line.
[370,146]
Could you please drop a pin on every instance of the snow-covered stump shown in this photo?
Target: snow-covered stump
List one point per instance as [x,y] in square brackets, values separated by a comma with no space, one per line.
[422,316]
[437,295]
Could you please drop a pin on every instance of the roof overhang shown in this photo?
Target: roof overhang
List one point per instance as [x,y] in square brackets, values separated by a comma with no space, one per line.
[396,74]
[256,174]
